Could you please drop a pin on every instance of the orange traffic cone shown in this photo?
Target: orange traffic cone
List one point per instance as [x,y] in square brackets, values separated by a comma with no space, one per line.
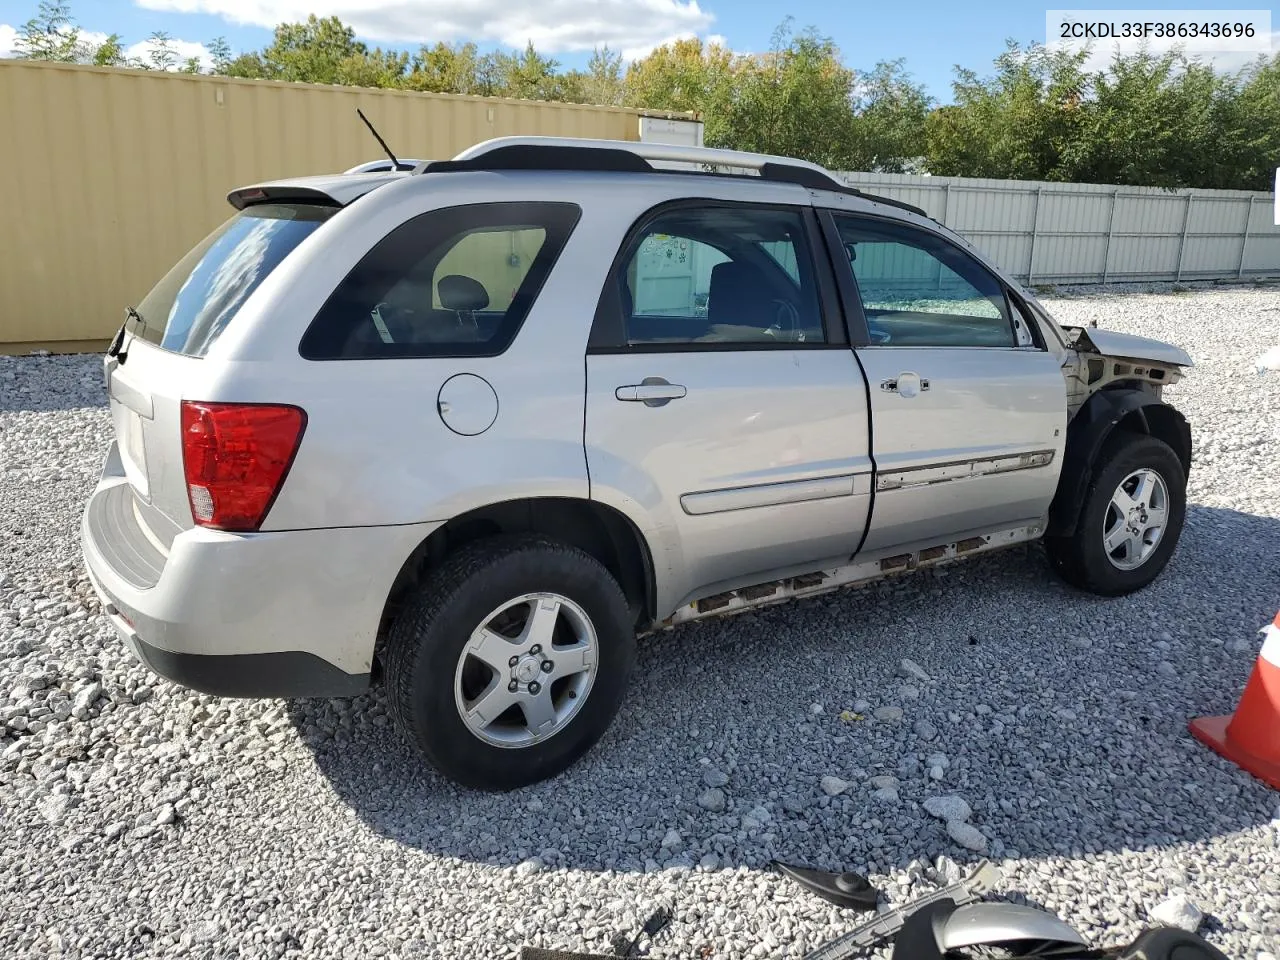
[1251,737]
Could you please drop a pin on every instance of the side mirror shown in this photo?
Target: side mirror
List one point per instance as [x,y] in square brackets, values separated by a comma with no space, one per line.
[852,251]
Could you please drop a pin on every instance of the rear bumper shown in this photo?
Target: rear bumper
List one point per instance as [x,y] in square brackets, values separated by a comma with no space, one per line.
[279,614]
[292,674]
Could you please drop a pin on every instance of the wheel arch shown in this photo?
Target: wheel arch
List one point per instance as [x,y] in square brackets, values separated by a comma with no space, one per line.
[1134,409]
[600,530]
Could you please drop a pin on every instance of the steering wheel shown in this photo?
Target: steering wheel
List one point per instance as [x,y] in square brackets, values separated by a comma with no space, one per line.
[785,312]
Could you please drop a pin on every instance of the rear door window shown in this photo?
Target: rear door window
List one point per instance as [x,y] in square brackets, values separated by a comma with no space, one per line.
[455,282]
[188,310]
[721,275]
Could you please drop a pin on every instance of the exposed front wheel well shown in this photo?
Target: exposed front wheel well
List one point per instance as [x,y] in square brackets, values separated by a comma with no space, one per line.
[598,530]
[1163,422]
[1105,416]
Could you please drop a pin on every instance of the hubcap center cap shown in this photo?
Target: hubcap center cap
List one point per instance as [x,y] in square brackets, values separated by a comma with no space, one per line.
[528,669]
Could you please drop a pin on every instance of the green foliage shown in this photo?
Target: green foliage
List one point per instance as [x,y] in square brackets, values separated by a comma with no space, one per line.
[1014,124]
[1149,120]
[51,35]
[110,52]
[888,126]
[783,98]
[220,53]
[444,68]
[161,56]
[1145,119]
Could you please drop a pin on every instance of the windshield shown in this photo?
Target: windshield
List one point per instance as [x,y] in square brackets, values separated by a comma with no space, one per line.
[196,301]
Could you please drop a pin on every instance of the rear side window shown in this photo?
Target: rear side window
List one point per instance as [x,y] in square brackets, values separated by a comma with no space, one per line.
[456,282]
[196,301]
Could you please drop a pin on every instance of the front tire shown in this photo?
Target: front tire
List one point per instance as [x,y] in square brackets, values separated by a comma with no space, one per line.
[1132,518]
[511,661]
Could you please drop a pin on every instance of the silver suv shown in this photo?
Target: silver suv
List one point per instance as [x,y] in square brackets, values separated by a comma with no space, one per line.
[472,429]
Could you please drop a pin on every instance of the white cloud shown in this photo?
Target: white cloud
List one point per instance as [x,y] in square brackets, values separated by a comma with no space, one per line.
[8,40]
[1101,53]
[91,39]
[552,25]
[182,50]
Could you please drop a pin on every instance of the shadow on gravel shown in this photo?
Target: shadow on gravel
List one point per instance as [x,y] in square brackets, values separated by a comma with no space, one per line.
[1062,725]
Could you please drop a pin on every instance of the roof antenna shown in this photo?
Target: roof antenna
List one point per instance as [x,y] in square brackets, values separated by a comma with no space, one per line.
[395,164]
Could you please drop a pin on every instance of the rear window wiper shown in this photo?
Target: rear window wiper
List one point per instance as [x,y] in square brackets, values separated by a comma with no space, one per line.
[117,344]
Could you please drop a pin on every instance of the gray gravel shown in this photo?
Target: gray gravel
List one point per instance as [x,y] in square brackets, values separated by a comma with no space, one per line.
[143,820]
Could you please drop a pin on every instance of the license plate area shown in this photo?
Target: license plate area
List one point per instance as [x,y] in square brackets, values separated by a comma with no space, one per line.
[133,449]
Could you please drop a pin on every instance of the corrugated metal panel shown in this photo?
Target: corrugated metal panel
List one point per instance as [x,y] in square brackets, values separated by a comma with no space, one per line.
[114,174]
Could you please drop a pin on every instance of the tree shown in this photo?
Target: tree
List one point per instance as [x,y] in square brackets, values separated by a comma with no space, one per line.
[601,83]
[1255,116]
[687,75]
[1165,121]
[110,53]
[160,55]
[1016,123]
[528,75]
[890,111]
[220,54]
[375,68]
[310,52]
[796,100]
[51,35]
[249,66]
[444,68]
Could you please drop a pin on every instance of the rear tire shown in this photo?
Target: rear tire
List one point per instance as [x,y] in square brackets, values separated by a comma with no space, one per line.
[1118,547]
[511,661]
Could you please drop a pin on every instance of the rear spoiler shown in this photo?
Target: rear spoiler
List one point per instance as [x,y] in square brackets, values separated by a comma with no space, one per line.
[336,190]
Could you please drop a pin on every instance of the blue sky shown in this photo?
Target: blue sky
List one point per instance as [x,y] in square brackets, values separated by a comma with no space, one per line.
[933,35]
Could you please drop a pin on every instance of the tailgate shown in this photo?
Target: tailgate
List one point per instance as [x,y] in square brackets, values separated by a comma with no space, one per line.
[145,394]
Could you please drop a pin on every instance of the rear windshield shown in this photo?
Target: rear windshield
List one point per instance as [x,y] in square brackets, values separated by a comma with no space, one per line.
[190,308]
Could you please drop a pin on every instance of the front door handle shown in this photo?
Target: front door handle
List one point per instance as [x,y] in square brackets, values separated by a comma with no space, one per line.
[905,385]
[653,392]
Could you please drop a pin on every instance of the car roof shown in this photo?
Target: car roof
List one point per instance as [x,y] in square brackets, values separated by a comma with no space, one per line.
[566,154]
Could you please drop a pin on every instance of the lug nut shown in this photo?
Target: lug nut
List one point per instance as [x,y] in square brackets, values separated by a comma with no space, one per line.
[513,661]
[547,666]
[513,686]
[534,687]
[536,648]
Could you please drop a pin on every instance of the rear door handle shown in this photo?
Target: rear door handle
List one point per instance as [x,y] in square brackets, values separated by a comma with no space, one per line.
[653,392]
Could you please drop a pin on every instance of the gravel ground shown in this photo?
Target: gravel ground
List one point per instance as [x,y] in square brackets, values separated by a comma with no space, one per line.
[143,820]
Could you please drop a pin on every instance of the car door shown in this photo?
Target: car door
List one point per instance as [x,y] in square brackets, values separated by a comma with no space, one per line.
[968,410]
[724,406]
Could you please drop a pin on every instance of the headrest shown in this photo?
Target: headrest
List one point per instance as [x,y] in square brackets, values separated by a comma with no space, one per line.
[738,295]
[462,294]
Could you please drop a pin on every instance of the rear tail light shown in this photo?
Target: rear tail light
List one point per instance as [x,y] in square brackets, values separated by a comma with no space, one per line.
[236,456]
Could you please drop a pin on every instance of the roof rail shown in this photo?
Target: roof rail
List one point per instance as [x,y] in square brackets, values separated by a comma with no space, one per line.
[628,156]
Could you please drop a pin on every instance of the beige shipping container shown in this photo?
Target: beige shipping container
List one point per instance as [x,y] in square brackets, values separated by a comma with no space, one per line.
[112,175]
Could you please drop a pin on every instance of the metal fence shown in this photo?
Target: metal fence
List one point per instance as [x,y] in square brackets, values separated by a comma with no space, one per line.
[1046,233]
[112,175]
